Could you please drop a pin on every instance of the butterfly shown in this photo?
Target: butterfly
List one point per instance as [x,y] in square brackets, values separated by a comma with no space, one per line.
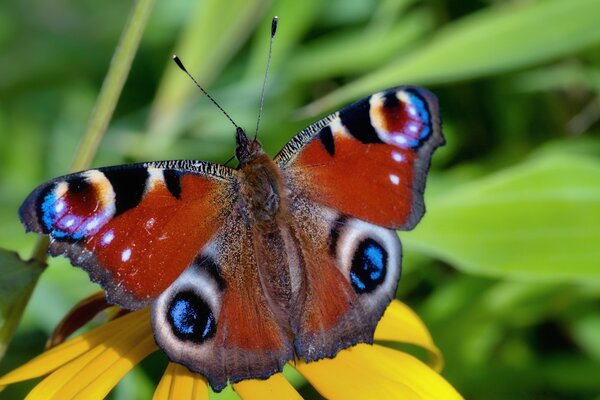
[249,268]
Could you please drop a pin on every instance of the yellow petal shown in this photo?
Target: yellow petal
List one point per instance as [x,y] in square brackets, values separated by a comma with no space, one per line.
[179,383]
[276,387]
[47,388]
[376,372]
[62,354]
[401,324]
[407,369]
[163,389]
[95,373]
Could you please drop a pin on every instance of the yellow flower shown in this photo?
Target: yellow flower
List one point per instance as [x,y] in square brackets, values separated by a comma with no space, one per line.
[90,365]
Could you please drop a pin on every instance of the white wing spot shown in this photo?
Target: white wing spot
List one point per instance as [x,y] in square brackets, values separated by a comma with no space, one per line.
[399,139]
[126,255]
[397,156]
[93,224]
[150,223]
[395,179]
[108,237]
[60,205]
[413,128]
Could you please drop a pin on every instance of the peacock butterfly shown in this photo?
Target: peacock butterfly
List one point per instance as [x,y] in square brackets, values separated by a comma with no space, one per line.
[245,269]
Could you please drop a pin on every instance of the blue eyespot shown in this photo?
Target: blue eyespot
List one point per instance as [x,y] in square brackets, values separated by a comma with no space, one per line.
[52,210]
[191,318]
[72,215]
[419,104]
[368,266]
[47,213]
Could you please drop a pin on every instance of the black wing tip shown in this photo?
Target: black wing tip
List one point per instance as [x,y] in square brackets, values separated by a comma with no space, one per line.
[28,212]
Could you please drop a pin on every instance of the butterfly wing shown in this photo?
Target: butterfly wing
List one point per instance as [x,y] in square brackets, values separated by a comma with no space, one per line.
[355,177]
[350,270]
[370,159]
[133,228]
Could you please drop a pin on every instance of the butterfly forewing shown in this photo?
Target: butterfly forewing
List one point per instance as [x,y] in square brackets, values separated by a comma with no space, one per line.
[370,159]
[134,228]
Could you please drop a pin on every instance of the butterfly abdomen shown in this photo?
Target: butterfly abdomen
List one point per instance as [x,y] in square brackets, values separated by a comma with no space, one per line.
[262,190]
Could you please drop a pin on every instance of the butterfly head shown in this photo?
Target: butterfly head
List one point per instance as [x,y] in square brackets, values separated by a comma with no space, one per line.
[246,149]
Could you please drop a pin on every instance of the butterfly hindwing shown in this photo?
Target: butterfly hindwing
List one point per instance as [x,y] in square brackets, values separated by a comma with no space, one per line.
[218,318]
[350,271]
[370,159]
[134,228]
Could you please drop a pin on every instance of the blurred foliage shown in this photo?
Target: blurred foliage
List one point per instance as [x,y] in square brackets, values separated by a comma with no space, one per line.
[504,267]
[17,282]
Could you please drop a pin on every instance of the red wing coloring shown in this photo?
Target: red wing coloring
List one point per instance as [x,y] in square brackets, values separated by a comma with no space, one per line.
[133,228]
[370,159]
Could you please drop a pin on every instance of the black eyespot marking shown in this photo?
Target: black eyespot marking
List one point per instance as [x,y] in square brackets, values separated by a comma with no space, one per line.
[334,235]
[326,137]
[207,264]
[78,184]
[173,182]
[357,121]
[128,185]
[369,266]
[191,319]
[390,100]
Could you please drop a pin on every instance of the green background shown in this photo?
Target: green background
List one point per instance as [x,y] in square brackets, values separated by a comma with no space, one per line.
[504,267]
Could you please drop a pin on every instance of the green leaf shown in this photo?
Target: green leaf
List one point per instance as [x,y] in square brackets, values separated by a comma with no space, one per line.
[492,41]
[538,221]
[17,280]
[585,334]
[343,53]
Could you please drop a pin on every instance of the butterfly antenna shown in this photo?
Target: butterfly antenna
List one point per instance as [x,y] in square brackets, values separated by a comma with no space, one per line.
[228,161]
[264,85]
[180,65]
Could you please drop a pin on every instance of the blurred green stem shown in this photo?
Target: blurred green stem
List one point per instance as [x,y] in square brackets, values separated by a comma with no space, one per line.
[40,250]
[108,97]
[113,84]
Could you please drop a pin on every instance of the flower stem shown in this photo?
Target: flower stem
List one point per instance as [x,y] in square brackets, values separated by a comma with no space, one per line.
[113,84]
